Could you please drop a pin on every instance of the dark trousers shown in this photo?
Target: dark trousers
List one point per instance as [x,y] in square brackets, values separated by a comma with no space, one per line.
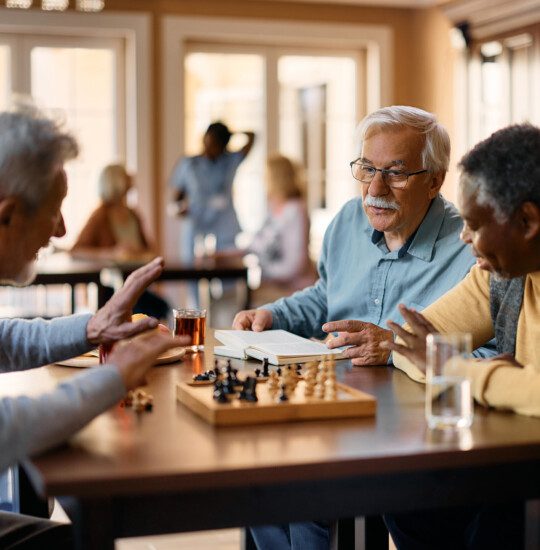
[498,527]
[18,532]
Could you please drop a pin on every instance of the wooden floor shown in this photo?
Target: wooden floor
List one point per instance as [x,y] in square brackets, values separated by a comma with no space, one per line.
[225,539]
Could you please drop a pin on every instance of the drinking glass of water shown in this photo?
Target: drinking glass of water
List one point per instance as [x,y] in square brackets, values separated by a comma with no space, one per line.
[449,402]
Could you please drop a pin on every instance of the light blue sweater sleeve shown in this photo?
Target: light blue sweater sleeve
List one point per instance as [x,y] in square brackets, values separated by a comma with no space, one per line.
[28,344]
[31,425]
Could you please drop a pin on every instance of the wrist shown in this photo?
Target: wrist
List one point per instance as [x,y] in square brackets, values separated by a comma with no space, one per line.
[93,332]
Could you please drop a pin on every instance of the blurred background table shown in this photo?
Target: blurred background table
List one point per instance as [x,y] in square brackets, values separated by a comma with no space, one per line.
[169,471]
[62,269]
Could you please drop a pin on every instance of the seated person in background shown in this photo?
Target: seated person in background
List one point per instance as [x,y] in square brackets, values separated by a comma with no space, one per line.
[114,231]
[500,204]
[32,187]
[281,244]
[399,242]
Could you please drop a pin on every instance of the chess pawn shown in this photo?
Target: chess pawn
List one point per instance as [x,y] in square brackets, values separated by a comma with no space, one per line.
[294,376]
[309,386]
[273,382]
[321,379]
[265,371]
[288,379]
[283,394]
[330,387]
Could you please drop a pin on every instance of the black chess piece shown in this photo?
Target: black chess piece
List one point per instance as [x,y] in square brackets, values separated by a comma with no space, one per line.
[229,382]
[249,390]
[257,373]
[279,371]
[204,377]
[265,372]
[283,395]
[299,369]
[219,392]
[237,381]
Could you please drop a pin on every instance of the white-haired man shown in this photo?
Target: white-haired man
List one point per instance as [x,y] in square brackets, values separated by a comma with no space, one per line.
[398,243]
[32,187]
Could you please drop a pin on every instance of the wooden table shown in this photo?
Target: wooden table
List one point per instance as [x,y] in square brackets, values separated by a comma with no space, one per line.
[61,268]
[169,471]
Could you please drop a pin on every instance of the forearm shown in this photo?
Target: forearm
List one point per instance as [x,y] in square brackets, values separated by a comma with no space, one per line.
[302,313]
[32,425]
[29,344]
[501,384]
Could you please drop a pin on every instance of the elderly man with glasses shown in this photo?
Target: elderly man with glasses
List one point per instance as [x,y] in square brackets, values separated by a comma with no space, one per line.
[398,243]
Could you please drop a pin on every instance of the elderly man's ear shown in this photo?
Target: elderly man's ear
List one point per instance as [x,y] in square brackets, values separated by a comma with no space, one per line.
[528,217]
[8,207]
[437,179]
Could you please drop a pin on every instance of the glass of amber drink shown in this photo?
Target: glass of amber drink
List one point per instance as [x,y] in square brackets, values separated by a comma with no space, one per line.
[104,350]
[192,323]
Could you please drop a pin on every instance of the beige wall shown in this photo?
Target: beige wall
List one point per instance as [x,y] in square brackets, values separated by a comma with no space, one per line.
[422,55]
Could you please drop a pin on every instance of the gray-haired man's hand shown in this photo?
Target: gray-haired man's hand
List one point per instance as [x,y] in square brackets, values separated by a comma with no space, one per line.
[113,321]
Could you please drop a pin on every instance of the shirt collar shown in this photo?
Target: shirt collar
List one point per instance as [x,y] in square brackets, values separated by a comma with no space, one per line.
[422,242]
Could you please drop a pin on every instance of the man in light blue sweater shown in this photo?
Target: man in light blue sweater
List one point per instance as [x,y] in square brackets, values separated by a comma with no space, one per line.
[398,243]
[32,187]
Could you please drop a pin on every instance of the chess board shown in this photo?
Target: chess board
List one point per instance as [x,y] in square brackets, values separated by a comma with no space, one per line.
[349,403]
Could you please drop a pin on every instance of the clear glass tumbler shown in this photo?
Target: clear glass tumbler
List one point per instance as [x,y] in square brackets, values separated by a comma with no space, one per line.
[449,402]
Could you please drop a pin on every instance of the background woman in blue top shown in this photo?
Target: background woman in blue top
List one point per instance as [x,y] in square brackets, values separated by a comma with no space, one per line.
[203,185]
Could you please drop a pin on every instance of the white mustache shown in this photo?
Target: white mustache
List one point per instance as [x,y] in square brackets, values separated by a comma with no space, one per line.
[379,202]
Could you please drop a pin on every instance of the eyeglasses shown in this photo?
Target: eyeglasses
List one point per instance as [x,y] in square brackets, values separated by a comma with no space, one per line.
[393,178]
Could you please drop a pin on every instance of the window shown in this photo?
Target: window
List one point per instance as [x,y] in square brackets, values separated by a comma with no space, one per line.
[314,99]
[501,74]
[5,79]
[79,85]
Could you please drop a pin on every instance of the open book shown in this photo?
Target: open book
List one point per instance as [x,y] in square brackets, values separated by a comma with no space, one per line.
[278,346]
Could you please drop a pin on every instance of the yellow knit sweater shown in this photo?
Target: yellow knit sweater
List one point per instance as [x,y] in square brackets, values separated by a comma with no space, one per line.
[465,308]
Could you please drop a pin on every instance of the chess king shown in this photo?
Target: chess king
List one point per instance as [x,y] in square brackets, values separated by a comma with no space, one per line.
[398,242]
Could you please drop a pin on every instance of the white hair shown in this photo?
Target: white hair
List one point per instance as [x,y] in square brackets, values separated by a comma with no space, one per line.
[112,183]
[32,147]
[436,152]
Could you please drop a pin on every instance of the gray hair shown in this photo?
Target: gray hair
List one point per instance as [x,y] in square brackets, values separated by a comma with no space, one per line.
[436,152]
[112,182]
[32,147]
[503,171]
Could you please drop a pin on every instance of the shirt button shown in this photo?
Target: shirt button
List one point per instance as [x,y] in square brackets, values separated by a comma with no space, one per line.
[377,301]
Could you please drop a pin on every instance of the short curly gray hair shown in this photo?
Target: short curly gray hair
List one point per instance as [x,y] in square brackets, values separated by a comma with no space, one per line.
[504,169]
[436,152]
[32,146]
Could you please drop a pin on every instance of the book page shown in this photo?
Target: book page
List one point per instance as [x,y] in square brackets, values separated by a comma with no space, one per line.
[292,349]
[248,338]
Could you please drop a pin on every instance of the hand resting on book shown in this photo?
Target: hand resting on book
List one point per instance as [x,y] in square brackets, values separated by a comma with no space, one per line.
[253,319]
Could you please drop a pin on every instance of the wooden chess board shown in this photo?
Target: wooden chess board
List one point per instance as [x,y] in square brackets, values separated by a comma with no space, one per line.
[349,403]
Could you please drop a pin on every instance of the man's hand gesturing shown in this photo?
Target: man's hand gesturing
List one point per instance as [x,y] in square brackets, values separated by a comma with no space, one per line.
[113,321]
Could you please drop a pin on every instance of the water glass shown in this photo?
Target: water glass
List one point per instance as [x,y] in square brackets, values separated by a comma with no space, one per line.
[449,402]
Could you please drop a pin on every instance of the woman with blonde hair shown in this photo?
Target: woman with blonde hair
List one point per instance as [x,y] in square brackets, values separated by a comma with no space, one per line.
[282,242]
[114,231]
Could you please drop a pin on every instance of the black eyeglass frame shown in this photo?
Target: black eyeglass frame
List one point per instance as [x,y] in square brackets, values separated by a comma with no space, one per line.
[384,172]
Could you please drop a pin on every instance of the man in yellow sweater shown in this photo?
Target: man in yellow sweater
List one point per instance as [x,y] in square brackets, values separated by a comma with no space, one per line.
[499,200]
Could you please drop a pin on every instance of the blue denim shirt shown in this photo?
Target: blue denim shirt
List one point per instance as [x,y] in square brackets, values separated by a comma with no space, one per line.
[359,278]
